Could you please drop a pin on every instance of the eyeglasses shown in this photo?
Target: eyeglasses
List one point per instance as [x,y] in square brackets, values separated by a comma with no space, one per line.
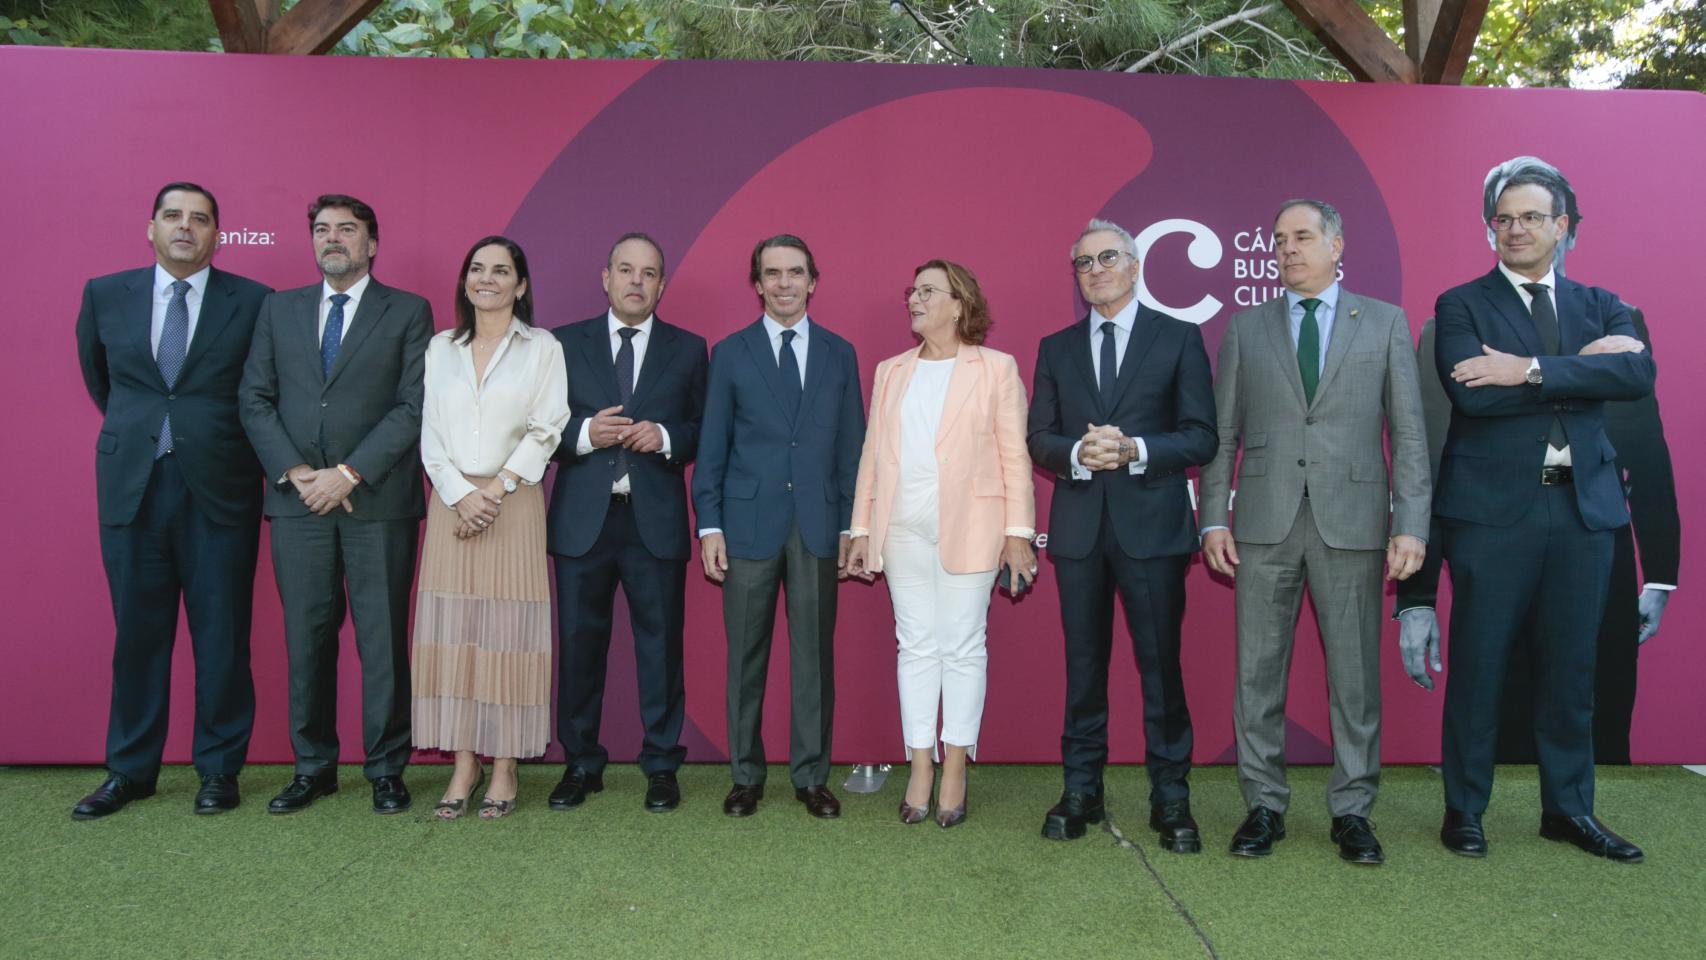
[1108,258]
[1532,220]
[925,293]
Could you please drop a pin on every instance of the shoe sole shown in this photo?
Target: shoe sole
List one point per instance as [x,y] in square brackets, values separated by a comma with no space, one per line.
[1469,854]
[1059,828]
[662,807]
[1180,846]
[566,805]
[1363,861]
[388,811]
[1258,854]
[1556,838]
[284,811]
[212,811]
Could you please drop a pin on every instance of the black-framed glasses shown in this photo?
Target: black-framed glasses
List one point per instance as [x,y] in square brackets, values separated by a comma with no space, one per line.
[924,293]
[1532,220]
[1109,258]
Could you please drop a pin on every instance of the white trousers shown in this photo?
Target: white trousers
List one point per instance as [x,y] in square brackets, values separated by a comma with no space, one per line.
[941,622]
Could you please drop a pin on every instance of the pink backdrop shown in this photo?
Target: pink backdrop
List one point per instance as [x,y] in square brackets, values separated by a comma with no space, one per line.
[880,168]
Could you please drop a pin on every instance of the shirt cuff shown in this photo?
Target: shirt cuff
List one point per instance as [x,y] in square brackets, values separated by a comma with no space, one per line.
[665,448]
[1079,471]
[708,531]
[1667,587]
[1205,530]
[1025,532]
[858,532]
[1141,463]
[583,445]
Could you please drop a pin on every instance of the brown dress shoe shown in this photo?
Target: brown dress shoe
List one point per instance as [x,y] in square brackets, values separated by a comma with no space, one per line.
[743,798]
[819,801]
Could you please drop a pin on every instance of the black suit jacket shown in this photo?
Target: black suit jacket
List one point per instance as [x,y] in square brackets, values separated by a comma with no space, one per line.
[1489,470]
[670,391]
[124,380]
[366,414]
[1164,394]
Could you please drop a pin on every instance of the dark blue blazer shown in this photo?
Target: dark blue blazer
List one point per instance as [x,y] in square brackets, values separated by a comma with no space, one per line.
[1489,471]
[759,470]
[669,391]
[1164,394]
[124,380]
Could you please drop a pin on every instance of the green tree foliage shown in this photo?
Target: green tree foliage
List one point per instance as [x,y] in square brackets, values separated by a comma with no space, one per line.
[1669,52]
[1223,37]
[508,28]
[114,24]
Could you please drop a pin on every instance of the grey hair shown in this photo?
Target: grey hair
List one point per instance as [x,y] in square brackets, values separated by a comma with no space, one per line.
[1332,225]
[1519,171]
[1099,225]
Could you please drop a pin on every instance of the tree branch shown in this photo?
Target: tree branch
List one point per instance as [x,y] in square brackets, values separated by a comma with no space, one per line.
[1248,13]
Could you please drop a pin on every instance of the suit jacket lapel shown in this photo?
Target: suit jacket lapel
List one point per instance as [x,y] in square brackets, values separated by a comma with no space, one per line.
[817,361]
[757,341]
[1346,321]
[658,353]
[1085,342]
[139,321]
[1144,330]
[1277,320]
[1573,332]
[894,391]
[214,319]
[307,321]
[968,370]
[369,314]
[1505,301]
[595,349]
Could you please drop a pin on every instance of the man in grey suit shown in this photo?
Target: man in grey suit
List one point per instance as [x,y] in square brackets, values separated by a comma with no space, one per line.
[331,400]
[1305,383]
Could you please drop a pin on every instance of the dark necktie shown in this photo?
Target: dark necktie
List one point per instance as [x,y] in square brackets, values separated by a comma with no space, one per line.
[1309,349]
[1546,323]
[625,387]
[174,346]
[790,367]
[333,338]
[1109,373]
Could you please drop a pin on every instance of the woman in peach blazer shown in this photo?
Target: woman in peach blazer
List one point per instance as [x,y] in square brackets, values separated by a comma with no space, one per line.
[944,498]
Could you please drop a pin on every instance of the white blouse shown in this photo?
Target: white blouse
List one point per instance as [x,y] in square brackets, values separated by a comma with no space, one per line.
[916,503]
[513,420]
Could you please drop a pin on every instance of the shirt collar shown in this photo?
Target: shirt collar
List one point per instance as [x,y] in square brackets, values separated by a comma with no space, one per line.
[354,292]
[1329,299]
[773,329]
[163,281]
[612,324]
[1124,319]
[1517,279]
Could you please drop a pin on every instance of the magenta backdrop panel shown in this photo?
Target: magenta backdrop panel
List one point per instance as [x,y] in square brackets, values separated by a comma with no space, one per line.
[880,168]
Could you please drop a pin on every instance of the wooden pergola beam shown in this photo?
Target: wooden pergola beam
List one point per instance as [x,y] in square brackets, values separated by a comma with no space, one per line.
[311,27]
[1451,39]
[1353,36]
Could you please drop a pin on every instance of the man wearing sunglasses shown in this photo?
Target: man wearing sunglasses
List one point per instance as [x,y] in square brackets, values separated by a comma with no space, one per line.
[1119,442]
[1529,502]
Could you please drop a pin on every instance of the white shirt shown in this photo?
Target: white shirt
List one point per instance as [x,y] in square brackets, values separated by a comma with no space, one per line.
[802,333]
[512,420]
[1554,456]
[1123,322]
[917,496]
[163,298]
[354,293]
[642,340]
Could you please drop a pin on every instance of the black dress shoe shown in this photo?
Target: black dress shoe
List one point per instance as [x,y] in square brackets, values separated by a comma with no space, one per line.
[110,797]
[1462,834]
[1256,836]
[1176,827]
[1355,837]
[1589,834]
[819,802]
[218,793]
[390,794]
[743,798]
[663,793]
[1066,819]
[571,791]
[303,790]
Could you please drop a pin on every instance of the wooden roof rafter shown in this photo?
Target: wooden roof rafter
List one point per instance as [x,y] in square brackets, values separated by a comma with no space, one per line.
[1439,36]
[312,26]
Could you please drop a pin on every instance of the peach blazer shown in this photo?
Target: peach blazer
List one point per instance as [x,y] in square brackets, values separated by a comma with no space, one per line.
[984,469]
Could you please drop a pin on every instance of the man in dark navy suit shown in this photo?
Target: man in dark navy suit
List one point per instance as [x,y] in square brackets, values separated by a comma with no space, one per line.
[1123,405]
[162,351]
[619,518]
[1528,501]
[773,493]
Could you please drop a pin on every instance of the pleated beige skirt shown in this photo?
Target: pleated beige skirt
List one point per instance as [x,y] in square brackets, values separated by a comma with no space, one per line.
[482,659]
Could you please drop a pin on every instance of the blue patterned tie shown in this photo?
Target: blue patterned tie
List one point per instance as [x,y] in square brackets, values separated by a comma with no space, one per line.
[174,346]
[334,335]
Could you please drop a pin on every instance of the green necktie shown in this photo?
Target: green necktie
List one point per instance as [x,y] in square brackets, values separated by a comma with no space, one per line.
[1309,350]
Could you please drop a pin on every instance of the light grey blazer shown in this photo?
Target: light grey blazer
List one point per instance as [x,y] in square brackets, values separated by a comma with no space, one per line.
[1334,445]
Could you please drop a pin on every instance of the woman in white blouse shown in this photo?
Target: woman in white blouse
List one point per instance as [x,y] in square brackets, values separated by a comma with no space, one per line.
[944,497]
[496,403]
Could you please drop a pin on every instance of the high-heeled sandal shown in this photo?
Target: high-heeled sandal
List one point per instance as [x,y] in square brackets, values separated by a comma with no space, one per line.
[452,809]
[910,814]
[495,809]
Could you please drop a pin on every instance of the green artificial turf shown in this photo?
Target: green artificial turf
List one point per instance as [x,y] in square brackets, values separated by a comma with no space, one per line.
[610,880]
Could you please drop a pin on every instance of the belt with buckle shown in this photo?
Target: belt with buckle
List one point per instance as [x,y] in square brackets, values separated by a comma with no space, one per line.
[621,498]
[1554,476]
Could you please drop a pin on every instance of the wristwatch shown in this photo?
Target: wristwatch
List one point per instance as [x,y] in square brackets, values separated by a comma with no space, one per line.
[508,482]
[1533,375]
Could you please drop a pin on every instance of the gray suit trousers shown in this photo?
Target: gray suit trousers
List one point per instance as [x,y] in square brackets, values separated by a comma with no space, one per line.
[1345,586]
[749,617]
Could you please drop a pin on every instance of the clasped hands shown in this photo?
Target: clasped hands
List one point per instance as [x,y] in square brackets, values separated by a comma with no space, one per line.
[1497,369]
[608,427]
[322,491]
[479,508]
[1105,447]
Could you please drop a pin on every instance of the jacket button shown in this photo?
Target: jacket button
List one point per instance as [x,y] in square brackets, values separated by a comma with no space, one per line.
[793,443]
[1309,420]
[171,396]
[611,462]
[323,403]
[788,486]
[1300,462]
[1540,438]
